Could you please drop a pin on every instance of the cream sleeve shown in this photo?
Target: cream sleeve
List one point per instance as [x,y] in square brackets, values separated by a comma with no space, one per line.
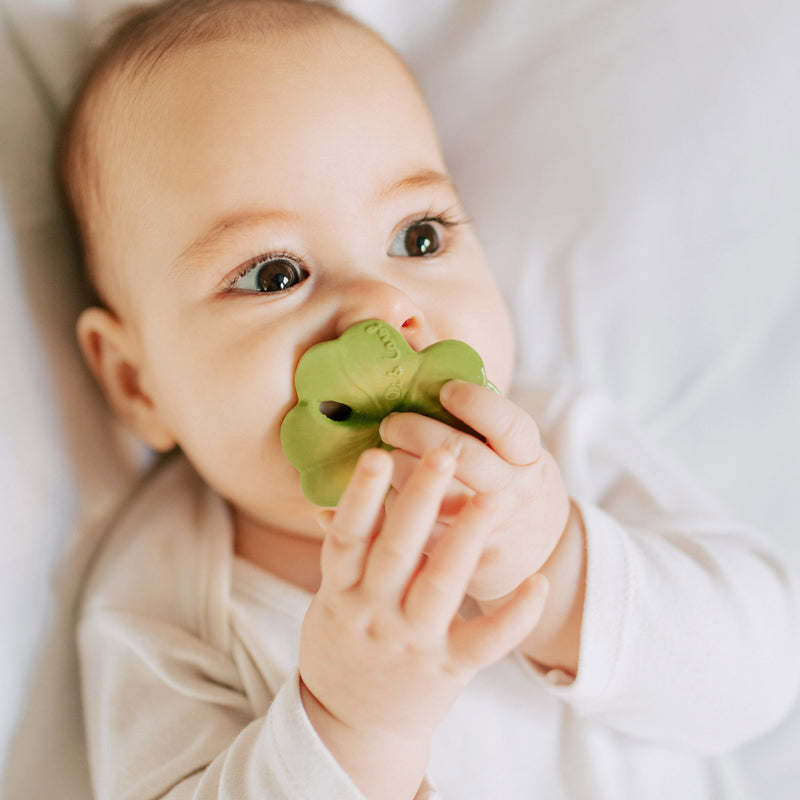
[173,706]
[691,631]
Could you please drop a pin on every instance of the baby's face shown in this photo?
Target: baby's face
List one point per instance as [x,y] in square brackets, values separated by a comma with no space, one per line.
[274,197]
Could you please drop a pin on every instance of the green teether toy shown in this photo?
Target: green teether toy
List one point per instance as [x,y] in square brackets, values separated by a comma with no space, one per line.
[345,387]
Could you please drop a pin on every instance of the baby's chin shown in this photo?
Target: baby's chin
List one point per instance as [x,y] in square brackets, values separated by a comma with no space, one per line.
[291,516]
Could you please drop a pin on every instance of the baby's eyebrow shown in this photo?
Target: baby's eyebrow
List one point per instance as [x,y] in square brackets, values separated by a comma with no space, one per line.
[228,228]
[424,179]
[209,243]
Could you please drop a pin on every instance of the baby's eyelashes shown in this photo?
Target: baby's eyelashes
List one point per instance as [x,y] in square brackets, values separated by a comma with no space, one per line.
[269,274]
[418,240]
[423,238]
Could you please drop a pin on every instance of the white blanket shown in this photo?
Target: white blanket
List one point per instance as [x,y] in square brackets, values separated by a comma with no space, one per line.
[634,171]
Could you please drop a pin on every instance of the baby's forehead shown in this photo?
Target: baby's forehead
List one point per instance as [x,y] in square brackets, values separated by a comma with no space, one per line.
[143,116]
[108,136]
[132,90]
[144,78]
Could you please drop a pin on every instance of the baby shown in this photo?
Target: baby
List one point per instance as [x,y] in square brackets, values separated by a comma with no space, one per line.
[250,178]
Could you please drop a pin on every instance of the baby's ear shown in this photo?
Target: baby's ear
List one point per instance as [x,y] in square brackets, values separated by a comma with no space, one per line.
[114,359]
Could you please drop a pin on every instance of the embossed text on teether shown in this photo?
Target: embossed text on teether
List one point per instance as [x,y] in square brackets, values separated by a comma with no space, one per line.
[396,387]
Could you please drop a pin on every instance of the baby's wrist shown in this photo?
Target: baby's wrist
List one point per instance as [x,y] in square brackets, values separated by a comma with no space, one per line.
[383,765]
[556,641]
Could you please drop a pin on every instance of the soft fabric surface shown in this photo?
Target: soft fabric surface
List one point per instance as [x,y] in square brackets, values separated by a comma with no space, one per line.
[210,644]
[634,172]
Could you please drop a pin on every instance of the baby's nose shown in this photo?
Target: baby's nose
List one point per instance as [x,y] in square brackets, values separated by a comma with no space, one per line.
[370,299]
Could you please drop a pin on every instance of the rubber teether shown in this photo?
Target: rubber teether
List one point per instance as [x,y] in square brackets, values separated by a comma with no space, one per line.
[346,386]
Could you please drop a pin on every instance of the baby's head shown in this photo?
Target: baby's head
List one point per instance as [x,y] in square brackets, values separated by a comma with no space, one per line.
[249,178]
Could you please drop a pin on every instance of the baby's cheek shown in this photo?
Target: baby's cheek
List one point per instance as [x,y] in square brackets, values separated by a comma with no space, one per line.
[492,335]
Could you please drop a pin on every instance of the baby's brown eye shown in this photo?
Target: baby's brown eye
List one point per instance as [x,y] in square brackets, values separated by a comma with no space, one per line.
[418,240]
[277,275]
[422,240]
[271,275]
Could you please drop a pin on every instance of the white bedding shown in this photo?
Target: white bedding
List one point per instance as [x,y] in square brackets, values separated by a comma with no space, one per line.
[634,171]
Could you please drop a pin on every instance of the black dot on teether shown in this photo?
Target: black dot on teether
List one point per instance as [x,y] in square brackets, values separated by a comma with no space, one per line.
[337,412]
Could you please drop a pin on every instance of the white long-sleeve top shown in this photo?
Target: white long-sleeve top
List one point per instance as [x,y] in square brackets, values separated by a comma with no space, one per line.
[689,647]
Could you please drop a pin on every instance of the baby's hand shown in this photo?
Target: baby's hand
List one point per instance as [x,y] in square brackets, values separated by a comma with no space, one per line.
[383,652]
[531,505]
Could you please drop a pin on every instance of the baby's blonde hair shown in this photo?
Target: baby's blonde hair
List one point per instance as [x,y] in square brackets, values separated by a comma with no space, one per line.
[139,38]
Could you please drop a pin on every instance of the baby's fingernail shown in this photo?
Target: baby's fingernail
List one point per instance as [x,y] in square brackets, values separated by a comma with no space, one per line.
[325,518]
[373,461]
[383,428]
[440,460]
[446,392]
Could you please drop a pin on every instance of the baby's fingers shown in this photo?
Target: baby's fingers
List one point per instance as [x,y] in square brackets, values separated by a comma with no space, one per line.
[508,430]
[404,465]
[438,590]
[351,528]
[396,550]
[484,640]
[479,468]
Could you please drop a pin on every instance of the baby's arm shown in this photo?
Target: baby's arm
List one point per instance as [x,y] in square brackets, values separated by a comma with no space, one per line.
[384,653]
[682,607]
[175,705]
[534,527]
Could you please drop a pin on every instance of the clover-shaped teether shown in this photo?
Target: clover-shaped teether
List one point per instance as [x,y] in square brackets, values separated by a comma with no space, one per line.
[345,387]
